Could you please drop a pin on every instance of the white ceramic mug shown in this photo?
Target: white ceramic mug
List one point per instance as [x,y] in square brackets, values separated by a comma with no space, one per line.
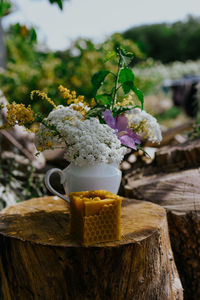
[86,178]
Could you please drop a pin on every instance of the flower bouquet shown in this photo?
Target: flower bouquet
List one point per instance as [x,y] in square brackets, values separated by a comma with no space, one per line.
[93,133]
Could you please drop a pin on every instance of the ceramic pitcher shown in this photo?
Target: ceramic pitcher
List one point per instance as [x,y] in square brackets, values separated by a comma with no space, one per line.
[86,178]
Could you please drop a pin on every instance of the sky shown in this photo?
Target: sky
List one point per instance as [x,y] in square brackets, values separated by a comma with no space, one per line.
[95,19]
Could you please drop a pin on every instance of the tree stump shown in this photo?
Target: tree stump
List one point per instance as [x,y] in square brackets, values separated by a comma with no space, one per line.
[179,156]
[38,259]
[167,189]
[184,229]
[178,191]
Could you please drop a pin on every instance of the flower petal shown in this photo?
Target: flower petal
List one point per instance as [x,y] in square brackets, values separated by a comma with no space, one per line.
[133,135]
[110,120]
[121,122]
[128,141]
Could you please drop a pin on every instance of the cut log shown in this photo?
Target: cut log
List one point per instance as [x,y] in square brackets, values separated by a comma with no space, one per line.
[38,259]
[165,159]
[184,227]
[166,189]
[179,193]
[184,155]
[169,135]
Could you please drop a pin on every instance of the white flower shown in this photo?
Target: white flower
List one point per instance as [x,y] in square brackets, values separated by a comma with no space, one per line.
[86,141]
[144,124]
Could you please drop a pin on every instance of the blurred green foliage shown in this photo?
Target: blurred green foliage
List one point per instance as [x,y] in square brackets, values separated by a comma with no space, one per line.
[30,68]
[6,5]
[169,114]
[58,2]
[168,42]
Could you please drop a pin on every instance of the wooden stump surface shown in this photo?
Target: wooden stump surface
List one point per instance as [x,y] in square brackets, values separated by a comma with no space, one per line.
[46,221]
[39,260]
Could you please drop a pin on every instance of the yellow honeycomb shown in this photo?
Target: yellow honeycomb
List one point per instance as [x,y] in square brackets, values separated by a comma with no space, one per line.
[95,216]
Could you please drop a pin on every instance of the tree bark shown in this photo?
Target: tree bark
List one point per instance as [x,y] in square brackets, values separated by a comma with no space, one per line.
[184,227]
[39,260]
[185,155]
[178,192]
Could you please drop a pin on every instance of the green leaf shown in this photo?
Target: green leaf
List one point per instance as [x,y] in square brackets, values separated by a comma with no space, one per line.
[127,86]
[59,2]
[95,111]
[126,56]
[127,60]
[126,74]
[98,79]
[103,99]
[120,109]
[4,7]
[139,94]
[33,35]
[110,55]
[126,53]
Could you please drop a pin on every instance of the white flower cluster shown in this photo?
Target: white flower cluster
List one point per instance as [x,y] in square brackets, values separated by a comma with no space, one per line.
[144,124]
[86,141]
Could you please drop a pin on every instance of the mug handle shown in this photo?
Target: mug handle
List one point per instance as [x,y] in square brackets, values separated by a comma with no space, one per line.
[48,185]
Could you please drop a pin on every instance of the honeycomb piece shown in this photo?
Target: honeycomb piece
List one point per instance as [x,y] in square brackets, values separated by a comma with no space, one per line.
[95,216]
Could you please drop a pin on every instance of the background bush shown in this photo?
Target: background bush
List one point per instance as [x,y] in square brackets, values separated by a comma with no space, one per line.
[168,42]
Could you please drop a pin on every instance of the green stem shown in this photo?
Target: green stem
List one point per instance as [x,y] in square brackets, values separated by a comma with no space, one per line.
[116,82]
[119,87]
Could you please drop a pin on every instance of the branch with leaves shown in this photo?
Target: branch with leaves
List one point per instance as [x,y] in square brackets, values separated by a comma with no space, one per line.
[123,80]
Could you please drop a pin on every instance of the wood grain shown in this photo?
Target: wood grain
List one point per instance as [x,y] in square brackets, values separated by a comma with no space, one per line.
[181,189]
[173,181]
[39,260]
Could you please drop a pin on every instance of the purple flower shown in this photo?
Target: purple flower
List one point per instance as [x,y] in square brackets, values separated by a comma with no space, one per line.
[120,124]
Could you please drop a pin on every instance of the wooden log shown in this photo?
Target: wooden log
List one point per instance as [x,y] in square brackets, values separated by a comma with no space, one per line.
[178,192]
[38,259]
[185,155]
[167,189]
[165,159]
[169,135]
[184,227]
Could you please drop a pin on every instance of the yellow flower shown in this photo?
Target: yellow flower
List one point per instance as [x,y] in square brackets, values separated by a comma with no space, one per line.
[47,133]
[140,128]
[34,130]
[40,149]
[64,92]
[80,109]
[70,100]
[81,98]
[24,30]
[42,96]
[126,101]
[92,103]
[71,96]
[18,114]
[48,145]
